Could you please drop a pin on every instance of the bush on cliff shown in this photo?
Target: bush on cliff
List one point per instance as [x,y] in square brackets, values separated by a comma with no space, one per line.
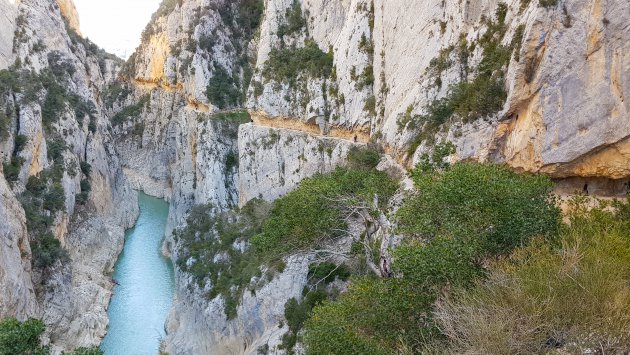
[286,64]
[312,214]
[488,205]
[458,219]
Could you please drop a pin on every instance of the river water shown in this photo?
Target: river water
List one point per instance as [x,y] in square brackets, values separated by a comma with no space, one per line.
[144,293]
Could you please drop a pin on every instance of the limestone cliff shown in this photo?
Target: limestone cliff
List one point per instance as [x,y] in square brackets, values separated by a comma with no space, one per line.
[565,112]
[70,13]
[60,162]
[7,23]
[550,86]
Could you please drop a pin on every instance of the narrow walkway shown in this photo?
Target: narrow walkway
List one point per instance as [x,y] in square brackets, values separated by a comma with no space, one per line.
[312,129]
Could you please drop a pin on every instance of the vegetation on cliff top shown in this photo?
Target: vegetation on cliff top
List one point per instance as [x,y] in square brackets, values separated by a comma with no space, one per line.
[488,267]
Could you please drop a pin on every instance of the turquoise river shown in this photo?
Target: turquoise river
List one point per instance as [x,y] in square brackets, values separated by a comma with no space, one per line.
[144,293]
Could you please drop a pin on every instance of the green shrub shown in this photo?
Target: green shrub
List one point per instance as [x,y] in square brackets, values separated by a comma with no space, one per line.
[286,64]
[85,185]
[224,89]
[364,157]
[36,185]
[47,251]
[128,68]
[370,106]
[239,116]
[366,79]
[20,143]
[356,321]
[56,100]
[574,295]
[82,198]
[366,46]
[82,108]
[548,3]
[310,214]
[116,92]
[207,236]
[250,13]
[86,168]
[55,198]
[399,309]
[55,149]
[5,125]
[295,22]
[132,111]
[231,161]
[37,223]
[12,169]
[21,337]
[9,81]
[485,204]
[435,162]
[296,313]
[461,217]
[328,272]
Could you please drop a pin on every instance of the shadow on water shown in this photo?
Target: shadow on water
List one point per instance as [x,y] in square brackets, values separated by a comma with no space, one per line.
[144,293]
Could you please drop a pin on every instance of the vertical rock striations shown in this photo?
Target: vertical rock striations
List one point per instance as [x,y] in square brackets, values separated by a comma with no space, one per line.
[61,164]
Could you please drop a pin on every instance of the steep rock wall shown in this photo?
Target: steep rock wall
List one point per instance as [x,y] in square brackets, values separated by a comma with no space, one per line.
[8,13]
[18,296]
[57,111]
[197,325]
[273,161]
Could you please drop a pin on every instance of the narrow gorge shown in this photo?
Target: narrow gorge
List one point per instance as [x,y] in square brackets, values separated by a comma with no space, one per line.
[350,177]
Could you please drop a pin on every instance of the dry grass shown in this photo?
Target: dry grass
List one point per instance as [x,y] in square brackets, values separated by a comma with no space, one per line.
[574,296]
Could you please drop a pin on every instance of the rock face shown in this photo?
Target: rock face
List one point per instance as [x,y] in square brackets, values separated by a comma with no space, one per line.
[273,161]
[565,113]
[62,125]
[199,326]
[18,296]
[181,156]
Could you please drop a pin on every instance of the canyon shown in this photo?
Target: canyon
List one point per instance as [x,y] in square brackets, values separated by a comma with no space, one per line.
[225,102]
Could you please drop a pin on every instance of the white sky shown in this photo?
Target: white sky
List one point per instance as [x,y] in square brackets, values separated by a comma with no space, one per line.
[115,25]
